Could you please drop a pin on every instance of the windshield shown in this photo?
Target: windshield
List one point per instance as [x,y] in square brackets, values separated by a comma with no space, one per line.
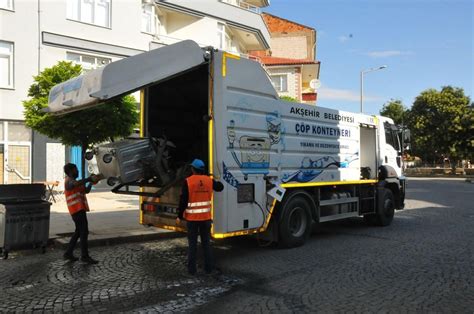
[392,136]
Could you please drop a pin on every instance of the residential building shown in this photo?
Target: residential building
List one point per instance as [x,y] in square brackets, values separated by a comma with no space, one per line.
[37,34]
[291,60]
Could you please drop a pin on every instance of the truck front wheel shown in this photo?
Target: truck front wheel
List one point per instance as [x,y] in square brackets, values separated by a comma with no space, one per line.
[385,210]
[295,222]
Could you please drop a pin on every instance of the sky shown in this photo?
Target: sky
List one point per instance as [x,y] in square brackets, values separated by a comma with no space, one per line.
[424,44]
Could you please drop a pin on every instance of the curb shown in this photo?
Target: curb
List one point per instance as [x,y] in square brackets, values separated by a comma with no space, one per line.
[467,177]
[113,239]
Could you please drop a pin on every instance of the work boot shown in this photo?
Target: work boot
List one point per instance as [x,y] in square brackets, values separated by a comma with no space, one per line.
[70,257]
[88,260]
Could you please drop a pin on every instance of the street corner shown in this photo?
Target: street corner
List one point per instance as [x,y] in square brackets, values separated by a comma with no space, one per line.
[138,277]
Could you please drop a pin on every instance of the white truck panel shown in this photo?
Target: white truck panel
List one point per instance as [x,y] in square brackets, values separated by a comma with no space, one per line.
[258,137]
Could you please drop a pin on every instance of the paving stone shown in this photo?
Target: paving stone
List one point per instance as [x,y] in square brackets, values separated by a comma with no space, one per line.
[421,263]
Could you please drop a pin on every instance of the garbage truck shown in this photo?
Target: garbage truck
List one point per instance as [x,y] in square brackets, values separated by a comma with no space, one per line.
[284,165]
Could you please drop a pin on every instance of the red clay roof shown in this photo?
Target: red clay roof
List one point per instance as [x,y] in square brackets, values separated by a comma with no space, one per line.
[259,53]
[267,60]
[277,24]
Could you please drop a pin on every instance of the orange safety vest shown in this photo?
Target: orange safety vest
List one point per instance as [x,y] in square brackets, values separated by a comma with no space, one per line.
[76,198]
[199,200]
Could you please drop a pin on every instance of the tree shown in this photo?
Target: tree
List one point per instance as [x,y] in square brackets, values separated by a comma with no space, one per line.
[442,124]
[113,119]
[395,110]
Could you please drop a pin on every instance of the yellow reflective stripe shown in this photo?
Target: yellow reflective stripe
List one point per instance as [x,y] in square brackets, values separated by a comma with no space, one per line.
[210,129]
[226,55]
[376,120]
[298,185]
[197,204]
[250,231]
[72,196]
[142,112]
[198,211]
[235,233]
[142,134]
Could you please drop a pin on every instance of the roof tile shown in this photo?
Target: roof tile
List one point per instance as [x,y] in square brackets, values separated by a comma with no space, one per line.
[267,60]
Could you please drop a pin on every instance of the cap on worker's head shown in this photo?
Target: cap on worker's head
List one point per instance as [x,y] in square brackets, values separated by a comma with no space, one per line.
[68,168]
[198,164]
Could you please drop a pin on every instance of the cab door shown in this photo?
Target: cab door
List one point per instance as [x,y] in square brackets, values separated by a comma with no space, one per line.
[391,156]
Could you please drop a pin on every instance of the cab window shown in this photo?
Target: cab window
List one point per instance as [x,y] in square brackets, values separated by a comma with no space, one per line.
[391,136]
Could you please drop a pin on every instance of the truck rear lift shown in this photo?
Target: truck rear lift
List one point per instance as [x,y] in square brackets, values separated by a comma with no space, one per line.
[126,76]
[124,188]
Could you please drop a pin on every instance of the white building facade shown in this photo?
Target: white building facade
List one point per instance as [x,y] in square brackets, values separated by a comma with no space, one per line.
[37,34]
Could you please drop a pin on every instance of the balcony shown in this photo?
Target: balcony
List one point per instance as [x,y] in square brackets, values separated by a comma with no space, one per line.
[243,22]
[249,5]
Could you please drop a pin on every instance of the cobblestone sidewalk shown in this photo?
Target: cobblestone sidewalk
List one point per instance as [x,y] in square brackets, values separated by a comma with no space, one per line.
[139,277]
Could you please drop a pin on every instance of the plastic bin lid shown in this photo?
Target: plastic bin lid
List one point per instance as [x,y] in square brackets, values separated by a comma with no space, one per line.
[21,192]
[124,76]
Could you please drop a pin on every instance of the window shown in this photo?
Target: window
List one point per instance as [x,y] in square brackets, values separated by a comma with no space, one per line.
[149,19]
[6,4]
[6,64]
[388,136]
[228,42]
[95,12]
[220,35]
[86,61]
[280,82]
[15,152]
[391,136]
[396,141]
[18,132]
[224,41]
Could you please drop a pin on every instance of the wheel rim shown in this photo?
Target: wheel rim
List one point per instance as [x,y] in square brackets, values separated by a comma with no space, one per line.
[297,222]
[388,207]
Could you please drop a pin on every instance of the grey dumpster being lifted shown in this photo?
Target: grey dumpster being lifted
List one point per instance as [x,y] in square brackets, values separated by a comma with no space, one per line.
[24,217]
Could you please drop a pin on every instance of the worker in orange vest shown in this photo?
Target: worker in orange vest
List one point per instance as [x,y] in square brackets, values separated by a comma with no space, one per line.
[75,192]
[195,208]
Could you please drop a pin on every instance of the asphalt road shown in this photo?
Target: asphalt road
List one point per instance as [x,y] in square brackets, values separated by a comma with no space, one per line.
[423,262]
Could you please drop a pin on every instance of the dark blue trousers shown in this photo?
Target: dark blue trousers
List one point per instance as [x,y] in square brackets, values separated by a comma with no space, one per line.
[202,228]
[82,231]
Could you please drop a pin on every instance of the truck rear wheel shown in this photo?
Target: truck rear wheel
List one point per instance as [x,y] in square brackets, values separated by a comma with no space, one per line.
[295,222]
[385,210]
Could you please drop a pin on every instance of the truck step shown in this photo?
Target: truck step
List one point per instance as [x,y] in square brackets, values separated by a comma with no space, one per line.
[338,216]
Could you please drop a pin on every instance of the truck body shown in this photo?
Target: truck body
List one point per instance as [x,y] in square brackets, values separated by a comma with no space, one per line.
[284,165]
